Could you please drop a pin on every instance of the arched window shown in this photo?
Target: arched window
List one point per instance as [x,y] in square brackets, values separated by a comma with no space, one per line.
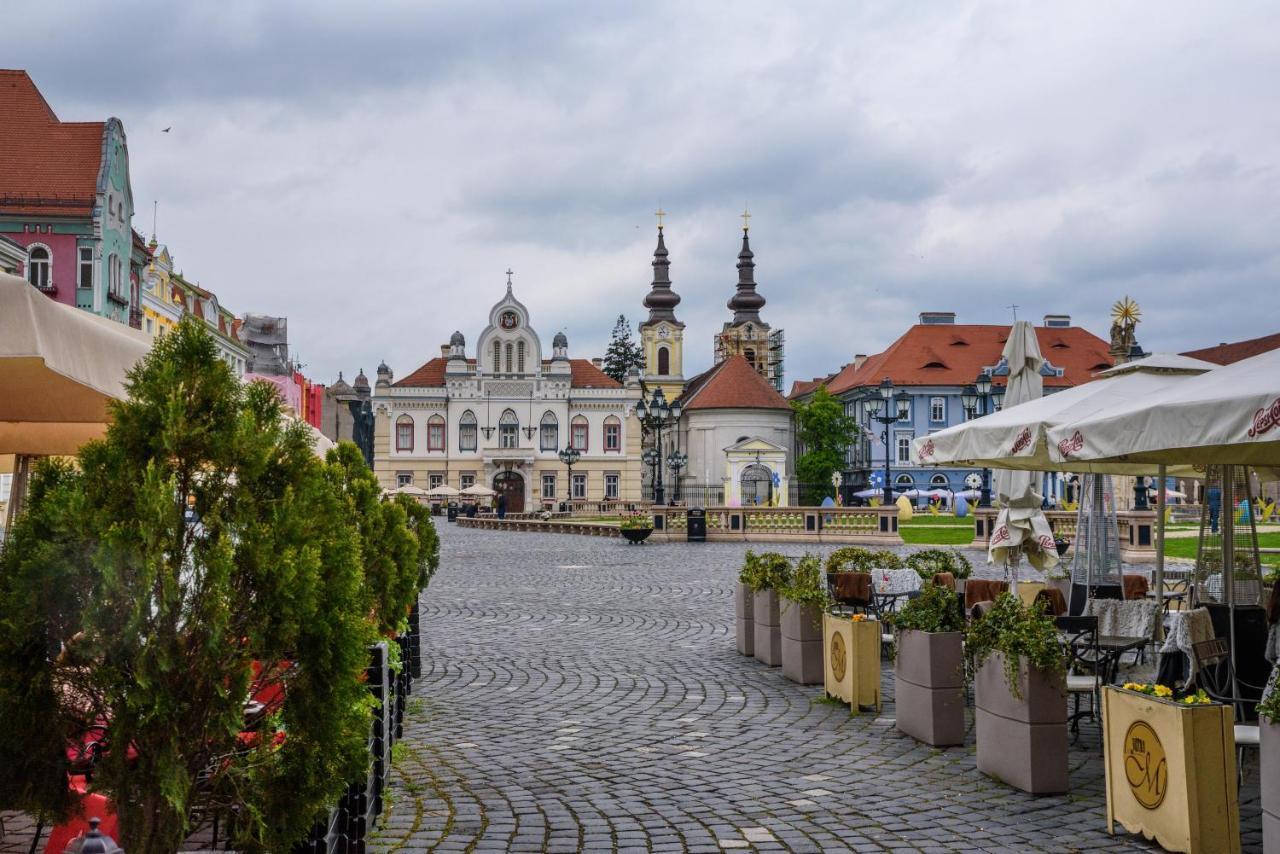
[905,481]
[612,434]
[40,267]
[467,431]
[435,433]
[497,357]
[509,428]
[520,357]
[508,357]
[578,433]
[751,356]
[664,361]
[404,433]
[939,481]
[550,440]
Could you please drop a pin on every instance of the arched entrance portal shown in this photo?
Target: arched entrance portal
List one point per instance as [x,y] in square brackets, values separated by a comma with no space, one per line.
[510,485]
[757,486]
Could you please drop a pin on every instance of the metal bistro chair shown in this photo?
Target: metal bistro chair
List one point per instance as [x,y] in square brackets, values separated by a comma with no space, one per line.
[1216,675]
[1085,674]
[853,591]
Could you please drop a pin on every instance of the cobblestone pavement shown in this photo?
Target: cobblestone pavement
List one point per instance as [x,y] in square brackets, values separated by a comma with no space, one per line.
[582,694]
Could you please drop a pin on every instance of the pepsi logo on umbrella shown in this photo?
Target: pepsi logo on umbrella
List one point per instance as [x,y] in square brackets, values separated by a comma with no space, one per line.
[1265,419]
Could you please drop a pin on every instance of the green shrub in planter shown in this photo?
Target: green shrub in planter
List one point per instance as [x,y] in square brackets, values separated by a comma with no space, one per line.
[807,586]
[766,571]
[1018,632]
[803,601]
[936,609]
[854,559]
[930,562]
[637,522]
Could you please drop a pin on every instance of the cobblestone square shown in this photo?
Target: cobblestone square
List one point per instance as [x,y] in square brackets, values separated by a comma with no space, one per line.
[582,694]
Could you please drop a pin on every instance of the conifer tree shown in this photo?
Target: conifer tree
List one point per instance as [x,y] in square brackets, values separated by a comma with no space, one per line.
[199,543]
[623,353]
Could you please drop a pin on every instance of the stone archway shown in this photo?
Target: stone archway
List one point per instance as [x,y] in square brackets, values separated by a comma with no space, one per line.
[510,485]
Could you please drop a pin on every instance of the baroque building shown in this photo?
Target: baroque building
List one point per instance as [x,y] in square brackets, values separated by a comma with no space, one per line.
[661,334]
[501,415]
[746,334]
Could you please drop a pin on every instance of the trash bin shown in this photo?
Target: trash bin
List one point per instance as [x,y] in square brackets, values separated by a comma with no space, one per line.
[453,512]
[696,524]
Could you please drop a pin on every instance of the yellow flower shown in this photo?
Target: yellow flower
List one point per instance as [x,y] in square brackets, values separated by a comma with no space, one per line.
[1133,686]
[1164,691]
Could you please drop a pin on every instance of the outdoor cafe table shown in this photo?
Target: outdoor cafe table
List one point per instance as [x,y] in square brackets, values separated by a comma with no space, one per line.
[1112,647]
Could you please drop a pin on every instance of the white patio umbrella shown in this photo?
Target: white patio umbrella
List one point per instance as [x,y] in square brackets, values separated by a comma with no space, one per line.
[410,489]
[441,491]
[1021,528]
[479,490]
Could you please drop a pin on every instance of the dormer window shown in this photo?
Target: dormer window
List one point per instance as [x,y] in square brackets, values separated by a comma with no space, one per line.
[934,365]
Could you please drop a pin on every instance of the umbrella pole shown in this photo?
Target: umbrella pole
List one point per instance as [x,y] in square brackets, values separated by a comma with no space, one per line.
[1228,569]
[1161,509]
[18,490]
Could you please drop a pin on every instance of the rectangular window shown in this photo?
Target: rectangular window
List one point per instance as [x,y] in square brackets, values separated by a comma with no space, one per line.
[435,436]
[436,480]
[611,486]
[466,480]
[149,327]
[550,436]
[904,449]
[404,435]
[509,435]
[520,357]
[612,436]
[579,486]
[467,436]
[85,275]
[579,435]
[549,486]
[403,478]
[937,409]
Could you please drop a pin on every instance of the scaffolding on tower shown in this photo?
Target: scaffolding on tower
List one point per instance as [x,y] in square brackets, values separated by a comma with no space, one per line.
[777,358]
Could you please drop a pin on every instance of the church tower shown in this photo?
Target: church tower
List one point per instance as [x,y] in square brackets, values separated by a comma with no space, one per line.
[661,335]
[746,334]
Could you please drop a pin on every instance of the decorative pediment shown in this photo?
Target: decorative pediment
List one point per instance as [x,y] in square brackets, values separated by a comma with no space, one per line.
[752,444]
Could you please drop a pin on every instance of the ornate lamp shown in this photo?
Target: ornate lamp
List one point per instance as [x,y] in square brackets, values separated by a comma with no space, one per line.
[969,400]
[96,842]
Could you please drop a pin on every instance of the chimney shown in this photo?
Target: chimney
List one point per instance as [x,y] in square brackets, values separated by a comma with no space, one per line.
[858,359]
[598,362]
[444,351]
[1057,321]
[937,318]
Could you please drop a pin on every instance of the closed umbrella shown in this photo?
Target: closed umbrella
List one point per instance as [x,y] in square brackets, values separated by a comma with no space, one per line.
[1021,528]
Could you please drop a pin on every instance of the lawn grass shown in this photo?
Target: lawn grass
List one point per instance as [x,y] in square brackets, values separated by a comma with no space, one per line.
[926,519]
[950,535]
[1185,547]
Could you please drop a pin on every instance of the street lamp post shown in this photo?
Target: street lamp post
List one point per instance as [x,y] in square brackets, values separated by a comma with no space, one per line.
[569,455]
[654,416]
[874,406]
[990,397]
[676,460]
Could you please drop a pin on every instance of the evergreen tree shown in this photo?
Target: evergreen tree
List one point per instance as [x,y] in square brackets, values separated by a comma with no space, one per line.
[623,353]
[825,433]
[196,551]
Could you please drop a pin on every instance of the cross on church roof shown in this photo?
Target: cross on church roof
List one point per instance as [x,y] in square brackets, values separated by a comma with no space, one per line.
[509,272]
[659,213]
[745,216]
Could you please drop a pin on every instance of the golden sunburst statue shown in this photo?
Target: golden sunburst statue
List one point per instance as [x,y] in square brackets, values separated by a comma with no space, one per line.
[1126,312]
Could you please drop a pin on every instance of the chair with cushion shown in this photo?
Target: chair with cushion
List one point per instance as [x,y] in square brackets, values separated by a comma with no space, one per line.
[1084,672]
[1052,602]
[1216,675]
[851,590]
[1135,586]
[945,579]
[982,590]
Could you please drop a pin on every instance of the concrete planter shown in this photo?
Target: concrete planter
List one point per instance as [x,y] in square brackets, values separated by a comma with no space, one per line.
[744,601]
[1022,740]
[930,687]
[1270,784]
[1171,772]
[768,628]
[801,642]
[851,661]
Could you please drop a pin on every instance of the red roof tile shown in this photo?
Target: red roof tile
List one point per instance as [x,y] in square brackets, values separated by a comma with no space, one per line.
[431,375]
[50,167]
[952,355]
[732,384]
[1226,354]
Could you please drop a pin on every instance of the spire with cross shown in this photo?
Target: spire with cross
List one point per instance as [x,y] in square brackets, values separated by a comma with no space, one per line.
[509,272]
[659,213]
[746,216]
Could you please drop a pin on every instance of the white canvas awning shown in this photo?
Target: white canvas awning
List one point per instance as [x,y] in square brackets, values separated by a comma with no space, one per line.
[479,490]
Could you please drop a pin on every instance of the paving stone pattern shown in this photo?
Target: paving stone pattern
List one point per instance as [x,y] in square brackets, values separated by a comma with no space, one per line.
[582,694]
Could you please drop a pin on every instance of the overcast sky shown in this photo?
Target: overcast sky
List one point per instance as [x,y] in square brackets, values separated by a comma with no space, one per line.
[370,170]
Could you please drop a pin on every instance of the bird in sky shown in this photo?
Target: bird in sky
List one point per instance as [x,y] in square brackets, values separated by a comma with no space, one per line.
[166,130]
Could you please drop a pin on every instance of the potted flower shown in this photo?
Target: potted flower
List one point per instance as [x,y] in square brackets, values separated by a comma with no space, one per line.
[804,599]
[1269,762]
[931,562]
[636,528]
[1170,768]
[851,660]
[744,606]
[929,667]
[1018,668]
[764,574]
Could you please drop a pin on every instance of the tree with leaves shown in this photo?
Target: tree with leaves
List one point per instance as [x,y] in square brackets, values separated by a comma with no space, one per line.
[623,353]
[197,553]
[824,432]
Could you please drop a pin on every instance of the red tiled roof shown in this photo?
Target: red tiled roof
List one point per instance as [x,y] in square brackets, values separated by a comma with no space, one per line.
[1226,354]
[951,355]
[732,384]
[800,388]
[431,374]
[50,167]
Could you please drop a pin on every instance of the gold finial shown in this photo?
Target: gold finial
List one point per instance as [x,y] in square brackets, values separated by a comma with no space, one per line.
[745,217]
[659,213]
[1126,312]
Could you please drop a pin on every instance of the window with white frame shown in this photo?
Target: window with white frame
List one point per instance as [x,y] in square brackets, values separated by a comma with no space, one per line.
[939,481]
[611,481]
[520,356]
[904,448]
[578,433]
[39,266]
[937,409]
[435,480]
[549,486]
[84,275]
[612,434]
[404,478]
[904,482]
[404,433]
[579,486]
[549,432]
[6,484]
[435,433]
[467,431]
[509,429]
[466,480]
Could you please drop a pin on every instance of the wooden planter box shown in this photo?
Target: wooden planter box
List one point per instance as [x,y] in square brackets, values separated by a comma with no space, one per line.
[851,661]
[1171,771]
[802,642]
[768,628]
[930,687]
[744,601]
[1269,772]
[1022,741]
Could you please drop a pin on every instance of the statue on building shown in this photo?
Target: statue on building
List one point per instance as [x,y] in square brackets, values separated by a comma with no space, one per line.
[1125,315]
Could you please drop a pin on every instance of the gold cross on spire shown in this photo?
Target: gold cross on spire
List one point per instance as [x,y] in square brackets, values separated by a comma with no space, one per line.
[659,213]
[745,217]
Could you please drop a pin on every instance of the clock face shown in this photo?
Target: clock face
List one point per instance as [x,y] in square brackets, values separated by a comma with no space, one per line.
[663,332]
[973,480]
[510,320]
